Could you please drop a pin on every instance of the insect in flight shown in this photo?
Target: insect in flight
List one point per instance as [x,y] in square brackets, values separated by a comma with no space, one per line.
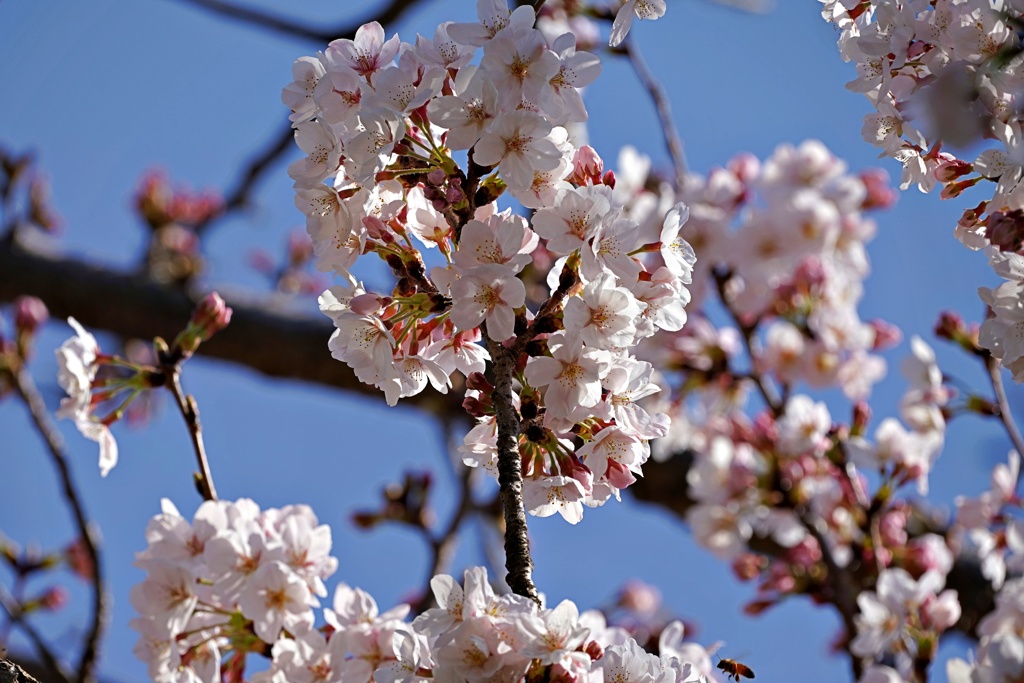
[734,669]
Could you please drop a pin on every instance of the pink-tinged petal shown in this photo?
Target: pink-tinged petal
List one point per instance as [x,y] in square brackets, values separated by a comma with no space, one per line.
[501,323]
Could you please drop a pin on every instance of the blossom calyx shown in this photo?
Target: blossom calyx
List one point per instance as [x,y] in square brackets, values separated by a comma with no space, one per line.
[210,316]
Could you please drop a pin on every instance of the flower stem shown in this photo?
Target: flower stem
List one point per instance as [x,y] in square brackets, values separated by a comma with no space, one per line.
[189,411]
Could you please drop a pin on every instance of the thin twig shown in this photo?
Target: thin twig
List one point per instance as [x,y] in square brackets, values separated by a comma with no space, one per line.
[673,142]
[240,196]
[189,411]
[769,395]
[293,28]
[995,375]
[844,592]
[42,649]
[442,546]
[28,392]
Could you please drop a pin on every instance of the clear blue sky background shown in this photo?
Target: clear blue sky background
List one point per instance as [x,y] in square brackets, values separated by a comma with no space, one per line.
[104,90]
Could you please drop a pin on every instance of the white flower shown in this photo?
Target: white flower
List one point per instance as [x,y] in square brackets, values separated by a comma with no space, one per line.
[642,9]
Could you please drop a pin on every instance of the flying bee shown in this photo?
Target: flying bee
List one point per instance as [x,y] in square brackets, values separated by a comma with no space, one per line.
[734,669]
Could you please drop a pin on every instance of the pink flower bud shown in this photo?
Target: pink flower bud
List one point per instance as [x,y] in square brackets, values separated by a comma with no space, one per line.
[950,326]
[892,527]
[640,597]
[29,314]
[1006,230]
[745,166]
[437,177]
[376,229]
[746,566]
[609,179]
[211,316]
[951,170]
[880,195]
[54,598]
[77,557]
[887,335]
[587,166]
[861,416]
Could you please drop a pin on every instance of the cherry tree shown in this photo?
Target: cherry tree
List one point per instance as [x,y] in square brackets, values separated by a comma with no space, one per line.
[585,324]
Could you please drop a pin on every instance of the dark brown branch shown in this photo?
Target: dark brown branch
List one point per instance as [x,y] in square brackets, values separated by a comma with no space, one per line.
[12,673]
[240,196]
[293,28]
[54,667]
[26,389]
[770,396]
[996,377]
[510,475]
[265,334]
[673,143]
[189,411]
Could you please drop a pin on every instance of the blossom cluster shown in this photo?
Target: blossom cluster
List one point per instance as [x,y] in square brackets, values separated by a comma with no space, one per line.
[238,580]
[950,72]
[380,121]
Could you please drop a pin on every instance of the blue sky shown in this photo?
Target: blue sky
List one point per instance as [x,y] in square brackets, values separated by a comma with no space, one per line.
[107,89]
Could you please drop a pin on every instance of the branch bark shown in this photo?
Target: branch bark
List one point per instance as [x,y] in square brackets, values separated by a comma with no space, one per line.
[293,28]
[26,389]
[265,334]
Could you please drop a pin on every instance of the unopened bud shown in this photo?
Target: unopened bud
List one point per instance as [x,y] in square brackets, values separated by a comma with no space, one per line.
[53,599]
[861,418]
[29,314]
[952,169]
[609,179]
[1006,230]
[887,335]
[475,406]
[477,382]
[880,194]
[211,315]
[437,177]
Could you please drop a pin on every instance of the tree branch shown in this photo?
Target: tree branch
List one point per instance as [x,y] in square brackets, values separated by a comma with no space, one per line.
[12,673]
[673,142]
[26,389]
[189,411]
[55,668]
[996,377]
[510,474]
[265,334]
[292,28]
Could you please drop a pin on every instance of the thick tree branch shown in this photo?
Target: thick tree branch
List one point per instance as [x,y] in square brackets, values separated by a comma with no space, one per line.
[265,334]
[510,475]
[26,389]
[293,28]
